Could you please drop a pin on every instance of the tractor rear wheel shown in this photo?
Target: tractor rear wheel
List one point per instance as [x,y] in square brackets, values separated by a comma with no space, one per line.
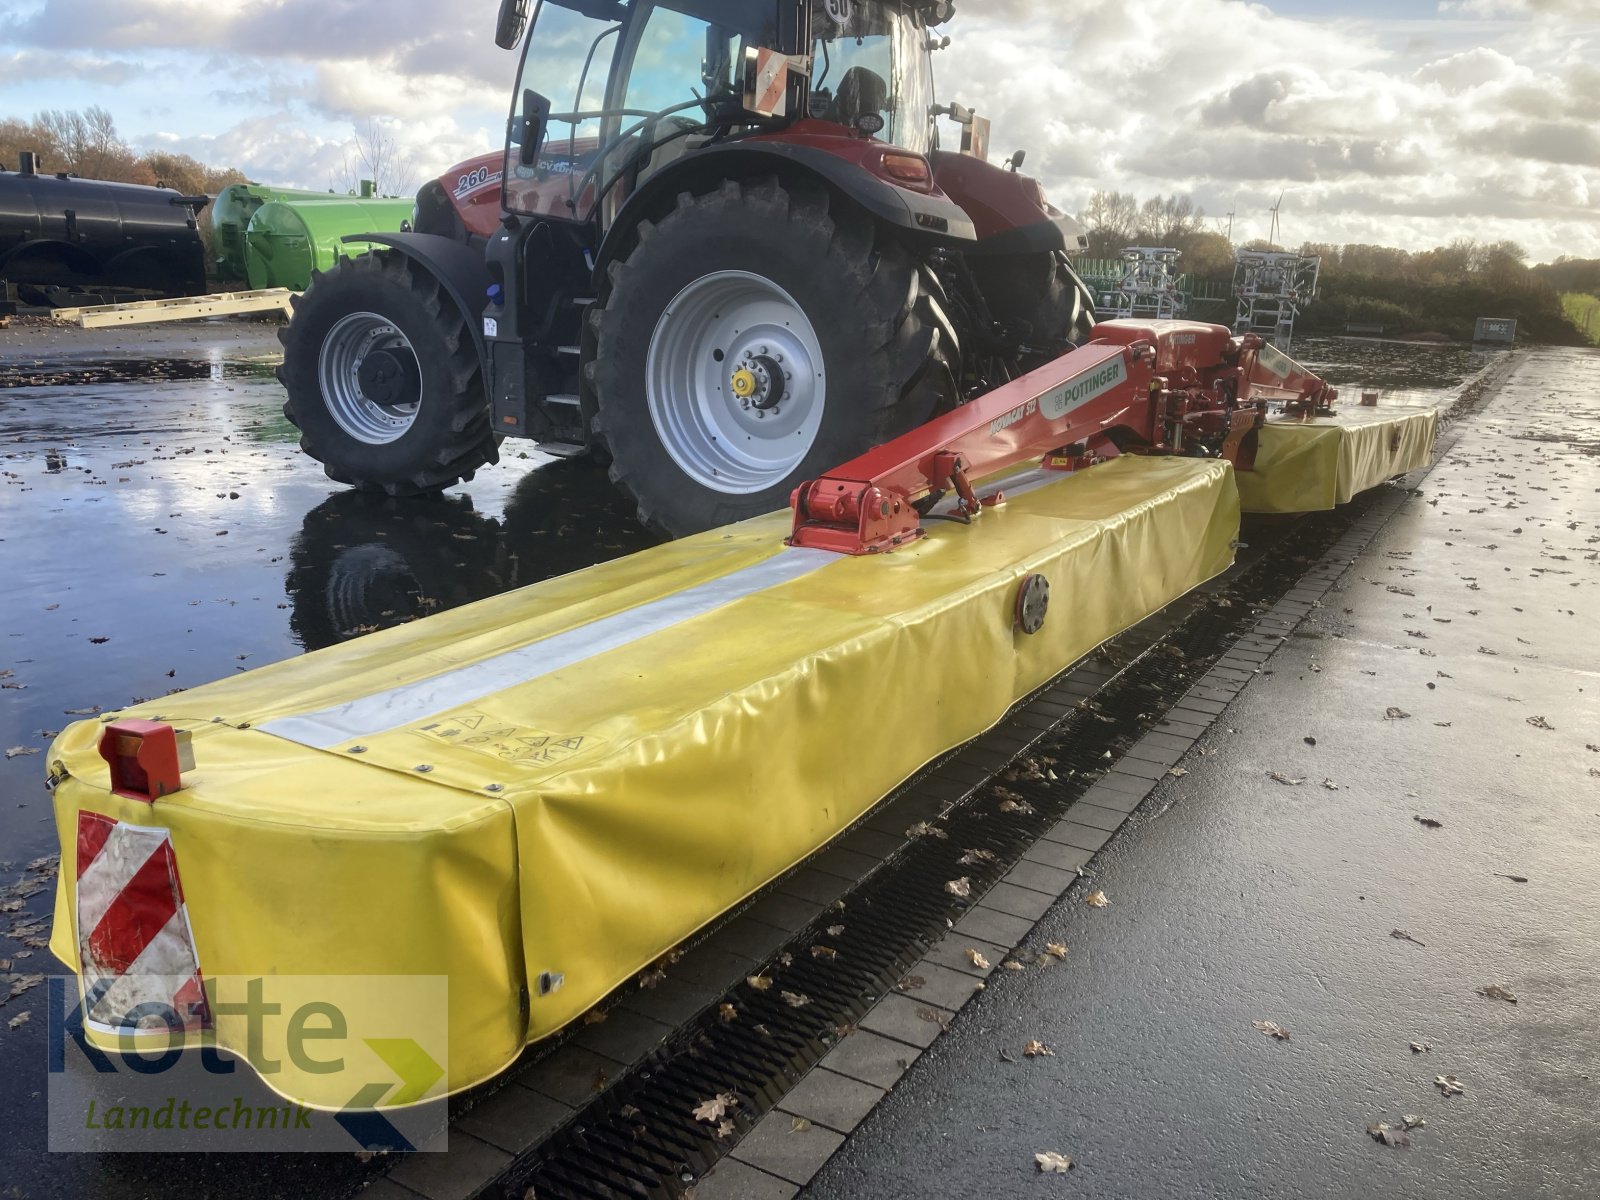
[383,379]
[755,337]
[1041,297]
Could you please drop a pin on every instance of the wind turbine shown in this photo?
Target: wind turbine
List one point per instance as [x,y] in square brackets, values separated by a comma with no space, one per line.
[1272,237]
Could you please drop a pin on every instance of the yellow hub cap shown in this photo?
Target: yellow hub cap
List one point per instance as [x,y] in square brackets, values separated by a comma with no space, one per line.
[744,383]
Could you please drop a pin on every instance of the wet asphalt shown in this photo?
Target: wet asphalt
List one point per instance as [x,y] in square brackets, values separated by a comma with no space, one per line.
[1236,898]
[159,528]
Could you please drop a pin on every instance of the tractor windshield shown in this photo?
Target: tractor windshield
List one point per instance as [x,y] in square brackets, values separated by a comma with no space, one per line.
[630,84]
[870,57]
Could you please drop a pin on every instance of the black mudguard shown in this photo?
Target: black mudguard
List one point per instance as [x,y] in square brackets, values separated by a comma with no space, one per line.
[458,267]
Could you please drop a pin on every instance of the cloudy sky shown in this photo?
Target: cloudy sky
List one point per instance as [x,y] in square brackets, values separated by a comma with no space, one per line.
[1405,122]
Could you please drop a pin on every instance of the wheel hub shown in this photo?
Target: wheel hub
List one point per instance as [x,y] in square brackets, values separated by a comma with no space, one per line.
[388,378]
[735,382]
[765,376]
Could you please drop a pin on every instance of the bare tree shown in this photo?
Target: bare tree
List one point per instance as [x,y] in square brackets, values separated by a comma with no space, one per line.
[1111,219]
[373,154]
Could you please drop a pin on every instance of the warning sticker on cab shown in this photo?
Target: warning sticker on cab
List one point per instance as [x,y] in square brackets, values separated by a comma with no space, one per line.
[1080,390]
[508,743]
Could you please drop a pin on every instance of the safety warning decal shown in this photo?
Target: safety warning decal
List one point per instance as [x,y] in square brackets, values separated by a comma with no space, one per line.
[487,734]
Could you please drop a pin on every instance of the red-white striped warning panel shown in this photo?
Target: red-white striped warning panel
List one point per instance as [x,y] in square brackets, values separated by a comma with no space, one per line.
[769,91]
[140,968]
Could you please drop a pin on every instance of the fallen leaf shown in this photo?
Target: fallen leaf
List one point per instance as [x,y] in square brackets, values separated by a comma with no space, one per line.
[923,829]
[1395,714]
[98,641]
[760,982]
[1178,771]
[1097,899]
[1428,822]
[824,952]
[1288,781]
[19,751]
[977,959]
[1412,1121]
[1056,949]
[933,1017]
[835,930]
[786,959]
[20,984]
[1540,723]
[799,1125]
[726,1129]
[18,1021]
[1012,964]
[1495,992]
[1007,1056]
[652,977]
[594,1016]
[1513,878]
[727,1012]
[973,857]
[1037,1049]
[795,999]
[1448,1085]
[1330,785]
[1402,935]
[959,887]
[715,1108]
[1052,1163]
[1016,806]
[910,983]
[1388,1135]
[1272,1029]
[1420,1047]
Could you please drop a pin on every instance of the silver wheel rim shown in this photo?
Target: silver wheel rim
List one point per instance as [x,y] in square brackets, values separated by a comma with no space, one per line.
[723,324]
[346,347]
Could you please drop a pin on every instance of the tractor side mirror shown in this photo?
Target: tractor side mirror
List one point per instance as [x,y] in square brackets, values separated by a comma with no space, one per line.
[508,26]
[535,113]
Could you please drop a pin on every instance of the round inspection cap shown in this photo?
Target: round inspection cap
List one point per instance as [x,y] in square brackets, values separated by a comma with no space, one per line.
[1033,601]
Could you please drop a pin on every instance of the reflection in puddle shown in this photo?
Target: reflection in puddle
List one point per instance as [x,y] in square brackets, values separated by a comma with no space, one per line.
[362,562]
[97,372]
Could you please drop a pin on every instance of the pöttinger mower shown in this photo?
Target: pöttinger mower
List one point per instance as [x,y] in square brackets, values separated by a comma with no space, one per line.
[730,256]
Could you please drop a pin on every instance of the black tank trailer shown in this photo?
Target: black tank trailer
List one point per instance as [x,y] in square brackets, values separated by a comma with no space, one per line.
[60,234]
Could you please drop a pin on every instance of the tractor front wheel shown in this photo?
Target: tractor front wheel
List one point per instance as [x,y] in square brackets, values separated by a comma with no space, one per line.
[755,337]
[383,379]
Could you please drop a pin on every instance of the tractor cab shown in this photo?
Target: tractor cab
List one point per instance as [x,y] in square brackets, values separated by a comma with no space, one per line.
[610,92]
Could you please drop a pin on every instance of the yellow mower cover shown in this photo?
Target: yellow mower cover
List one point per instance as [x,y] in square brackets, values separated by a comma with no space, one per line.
[1317,464]
[539,794]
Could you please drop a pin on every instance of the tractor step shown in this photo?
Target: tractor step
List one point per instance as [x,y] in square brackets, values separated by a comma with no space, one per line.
[562,449]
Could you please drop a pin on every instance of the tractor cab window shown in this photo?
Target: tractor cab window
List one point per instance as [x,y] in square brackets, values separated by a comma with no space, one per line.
[870,58]
[628,82]
[567,59]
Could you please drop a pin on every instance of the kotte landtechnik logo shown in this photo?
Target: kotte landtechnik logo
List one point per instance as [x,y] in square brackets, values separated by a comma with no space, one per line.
[253,1063]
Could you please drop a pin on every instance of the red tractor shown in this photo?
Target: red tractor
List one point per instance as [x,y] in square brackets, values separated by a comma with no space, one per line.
[735,258]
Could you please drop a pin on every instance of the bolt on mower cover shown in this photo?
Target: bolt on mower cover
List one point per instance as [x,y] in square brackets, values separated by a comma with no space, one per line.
[539,794]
